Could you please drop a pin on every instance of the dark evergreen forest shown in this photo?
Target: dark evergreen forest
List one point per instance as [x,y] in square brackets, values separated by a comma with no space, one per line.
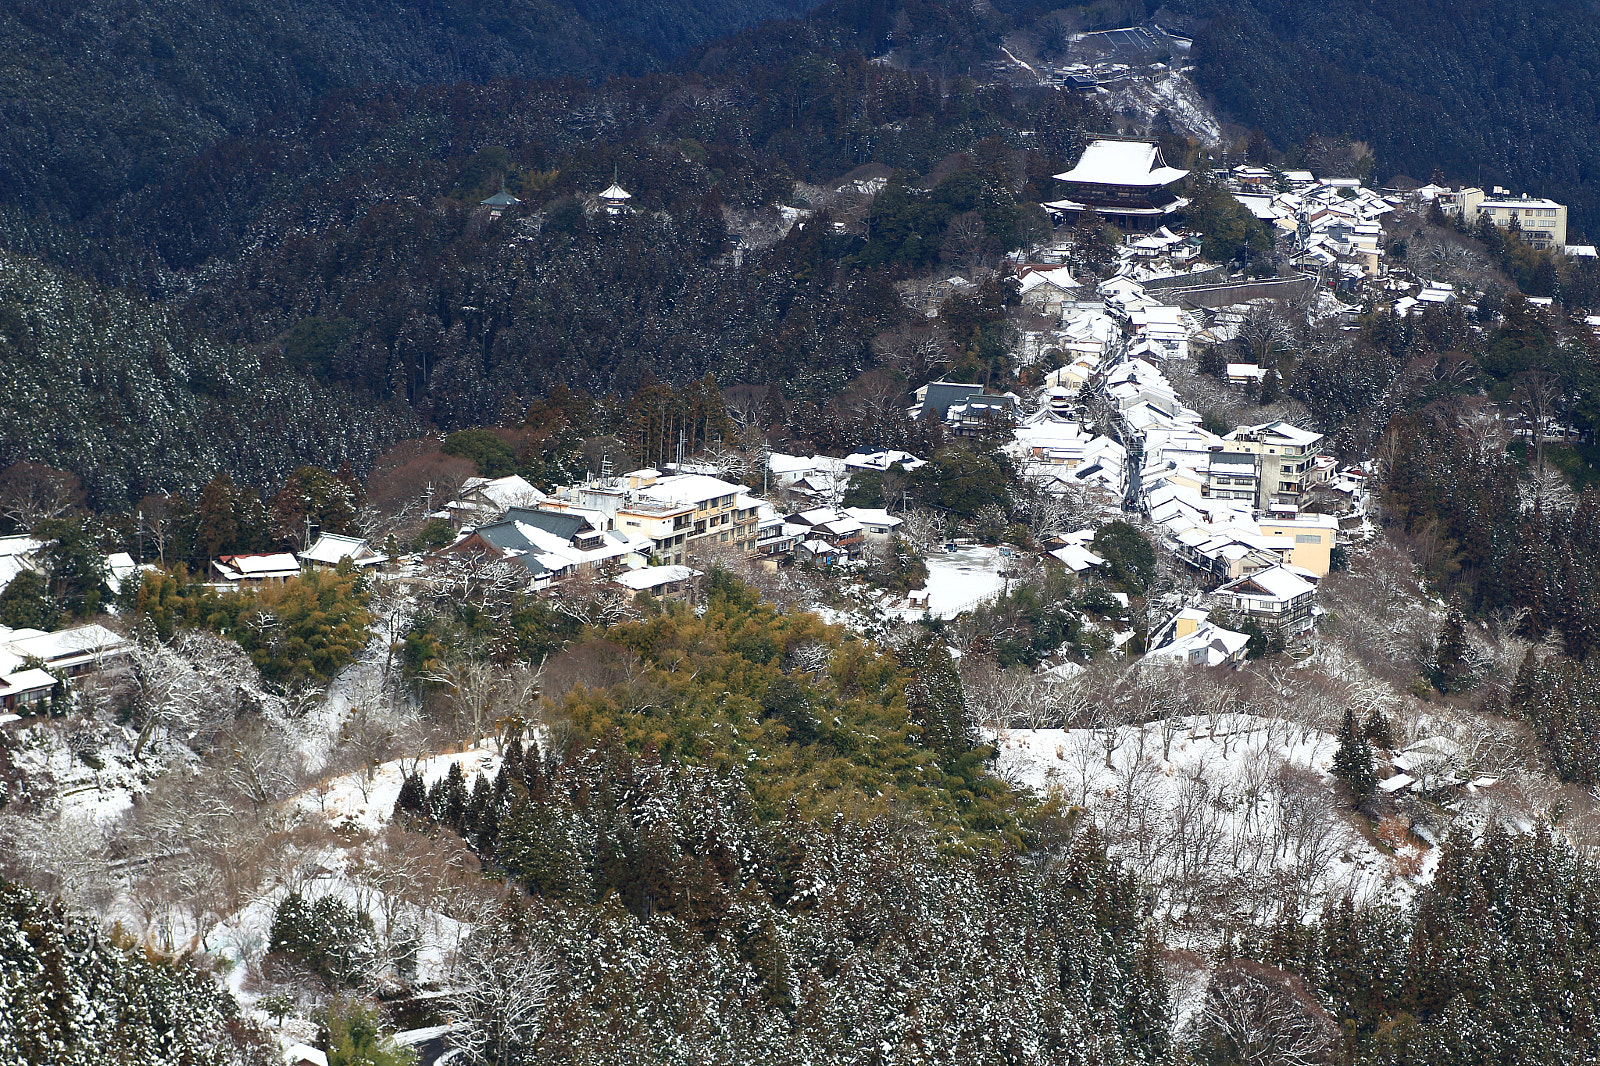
[1487,94]
[334,259]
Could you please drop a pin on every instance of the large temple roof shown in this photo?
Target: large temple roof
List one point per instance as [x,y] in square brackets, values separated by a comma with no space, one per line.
[1127,163]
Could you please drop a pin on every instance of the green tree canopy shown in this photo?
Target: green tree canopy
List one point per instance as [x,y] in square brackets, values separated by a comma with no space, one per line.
[1128,553]
[495,458]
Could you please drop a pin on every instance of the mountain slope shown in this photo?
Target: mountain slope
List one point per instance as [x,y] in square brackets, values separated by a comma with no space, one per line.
[134,402]
[1496,93]
[100,97]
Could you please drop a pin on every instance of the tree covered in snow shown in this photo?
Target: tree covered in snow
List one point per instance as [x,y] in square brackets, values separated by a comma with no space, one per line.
[1352,763]
[72,995]
[1560,698]
[825,944]
[1497,961]
[326,936]
[132,401]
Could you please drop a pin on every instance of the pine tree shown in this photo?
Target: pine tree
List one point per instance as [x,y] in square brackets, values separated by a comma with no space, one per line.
[413,798]
[1378,731]
[1352,764]
[1450,670]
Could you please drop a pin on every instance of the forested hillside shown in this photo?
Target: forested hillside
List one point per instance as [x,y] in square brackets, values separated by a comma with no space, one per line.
[101,98]
[130,398]
[342,255]
[1499,93]
[71,995]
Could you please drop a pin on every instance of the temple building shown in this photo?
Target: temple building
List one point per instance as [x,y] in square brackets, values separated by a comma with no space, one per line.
[499,203]
[614,199]
[1125,182]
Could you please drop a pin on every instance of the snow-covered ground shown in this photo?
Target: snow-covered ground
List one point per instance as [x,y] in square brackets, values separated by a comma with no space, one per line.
[357,802]
[1171,93]
[1234,807]
[959,581]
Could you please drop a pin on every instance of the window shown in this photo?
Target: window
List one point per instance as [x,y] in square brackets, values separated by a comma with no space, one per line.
[1308,538]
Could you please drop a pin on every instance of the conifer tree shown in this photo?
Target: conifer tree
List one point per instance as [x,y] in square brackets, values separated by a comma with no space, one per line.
[1352,764]
[1378,731]
[413,798]
[1450,670]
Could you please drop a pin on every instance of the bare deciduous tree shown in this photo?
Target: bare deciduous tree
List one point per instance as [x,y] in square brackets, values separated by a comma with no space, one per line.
[32,492]
[501,989]
[1263,1016]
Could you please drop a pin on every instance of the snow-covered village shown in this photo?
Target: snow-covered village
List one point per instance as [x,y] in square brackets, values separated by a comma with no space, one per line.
[923,536]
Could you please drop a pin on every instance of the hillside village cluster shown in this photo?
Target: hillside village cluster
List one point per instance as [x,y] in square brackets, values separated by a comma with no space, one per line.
[1105,427]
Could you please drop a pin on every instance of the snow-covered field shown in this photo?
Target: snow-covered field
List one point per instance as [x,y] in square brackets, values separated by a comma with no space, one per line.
[960,580]
[357,802]
[1232,808]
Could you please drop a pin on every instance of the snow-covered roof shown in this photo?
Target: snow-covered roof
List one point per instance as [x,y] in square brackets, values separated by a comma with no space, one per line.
[881,459]
[1275,582]
[691,488]
[270,564]
[1136,163]
[502,492]
[65,646]
[1060,277]
[650,577]
[872,516]
[11,566]
[1208,645]
[297,1054]
[19,544]
[120,570]
[333,548]
[32,680]
[1077,558]
[1282,430]
[816,516]
[615,192]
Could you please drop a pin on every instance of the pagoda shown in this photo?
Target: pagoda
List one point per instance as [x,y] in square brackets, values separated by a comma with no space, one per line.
[499,203]
[614,199]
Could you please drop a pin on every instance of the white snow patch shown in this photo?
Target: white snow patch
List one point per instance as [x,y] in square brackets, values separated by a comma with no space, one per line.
[1215,811]
[961,580]
[357,801]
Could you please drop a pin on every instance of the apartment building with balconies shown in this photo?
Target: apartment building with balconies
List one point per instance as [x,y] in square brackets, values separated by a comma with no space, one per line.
[1286,461]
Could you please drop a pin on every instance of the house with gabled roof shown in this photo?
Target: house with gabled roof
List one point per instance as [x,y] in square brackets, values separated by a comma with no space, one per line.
[1195,640]
[484,499]
[552,545]
[331,549]
[1277,596]
[260,569]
